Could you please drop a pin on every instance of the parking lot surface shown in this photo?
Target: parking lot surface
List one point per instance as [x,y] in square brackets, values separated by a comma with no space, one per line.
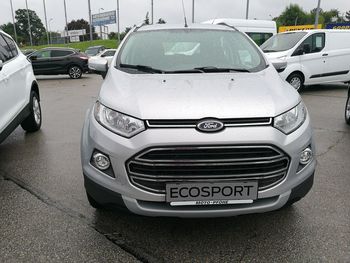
[45,216]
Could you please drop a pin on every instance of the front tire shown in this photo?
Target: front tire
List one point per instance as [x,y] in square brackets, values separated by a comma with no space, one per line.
[75,72]
[33,122]
[296,80]
[347,110]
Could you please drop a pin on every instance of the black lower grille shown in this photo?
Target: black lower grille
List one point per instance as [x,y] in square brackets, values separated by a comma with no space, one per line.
[153,168]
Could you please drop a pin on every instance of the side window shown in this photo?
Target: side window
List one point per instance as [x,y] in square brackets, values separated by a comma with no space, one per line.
[12,46]
[5,53]
[316,43]
[43,54]
[60,53]
[109,53]
[259,38]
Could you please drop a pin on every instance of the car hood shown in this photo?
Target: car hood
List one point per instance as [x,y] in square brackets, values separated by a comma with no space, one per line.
[196,96]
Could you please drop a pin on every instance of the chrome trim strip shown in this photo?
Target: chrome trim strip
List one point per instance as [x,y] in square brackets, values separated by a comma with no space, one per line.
[195,125]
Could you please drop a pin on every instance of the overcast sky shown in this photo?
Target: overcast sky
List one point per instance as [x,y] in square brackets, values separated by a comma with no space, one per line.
[134,11]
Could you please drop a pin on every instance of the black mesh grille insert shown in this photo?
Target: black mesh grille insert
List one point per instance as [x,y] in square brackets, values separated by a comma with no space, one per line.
[153,168]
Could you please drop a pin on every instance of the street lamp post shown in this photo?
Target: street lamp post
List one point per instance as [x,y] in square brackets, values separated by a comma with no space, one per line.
[317,13]
[29,26]
[90,20]
[193,11]
[247,10]
[65,14]
[99,12]
[47,33]
[152,10]
[50,38]
[13,21]
[118,21]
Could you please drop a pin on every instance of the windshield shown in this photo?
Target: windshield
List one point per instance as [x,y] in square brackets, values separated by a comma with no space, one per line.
[189,50]
[92,51]
[282,42]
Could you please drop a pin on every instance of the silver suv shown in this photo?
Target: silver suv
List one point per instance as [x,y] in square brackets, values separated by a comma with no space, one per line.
[195,122]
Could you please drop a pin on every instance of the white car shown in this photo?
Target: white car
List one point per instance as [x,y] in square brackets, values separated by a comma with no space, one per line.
[107,54]
[312,56]
[19,90]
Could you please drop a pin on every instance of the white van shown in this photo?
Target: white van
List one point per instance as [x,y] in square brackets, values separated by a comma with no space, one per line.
[258,30]
[312,56]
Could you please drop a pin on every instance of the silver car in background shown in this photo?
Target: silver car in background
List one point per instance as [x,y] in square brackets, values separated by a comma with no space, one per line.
[195,122]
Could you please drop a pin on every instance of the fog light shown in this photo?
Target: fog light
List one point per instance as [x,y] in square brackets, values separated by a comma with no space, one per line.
[306,156]
[101,161]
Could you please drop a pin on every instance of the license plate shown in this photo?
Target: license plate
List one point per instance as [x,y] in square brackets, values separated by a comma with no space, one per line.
[211,193]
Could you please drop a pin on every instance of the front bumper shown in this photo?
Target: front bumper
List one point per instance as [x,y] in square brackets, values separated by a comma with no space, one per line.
[120,191]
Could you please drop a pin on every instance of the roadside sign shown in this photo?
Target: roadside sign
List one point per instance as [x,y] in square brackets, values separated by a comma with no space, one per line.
[74,39]
[299,27]
[345,25]
[73,33]
[105,18]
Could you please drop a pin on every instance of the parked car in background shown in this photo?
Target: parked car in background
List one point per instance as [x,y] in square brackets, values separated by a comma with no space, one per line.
[210,133]
[28,52]
[95,50]
[19,90]
[106,55]
[258,30]
[312,56]
[56,61]
[347,108]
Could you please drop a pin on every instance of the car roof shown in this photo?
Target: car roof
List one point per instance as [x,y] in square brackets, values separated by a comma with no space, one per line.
[94,47]
[317,31]
[182,26]
[59,48]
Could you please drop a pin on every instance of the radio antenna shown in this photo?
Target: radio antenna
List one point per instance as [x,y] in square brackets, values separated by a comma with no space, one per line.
[183,8]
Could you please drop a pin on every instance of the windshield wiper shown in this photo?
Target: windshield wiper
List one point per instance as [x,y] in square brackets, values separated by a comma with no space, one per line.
[142,68]
[216,69]
[269,50]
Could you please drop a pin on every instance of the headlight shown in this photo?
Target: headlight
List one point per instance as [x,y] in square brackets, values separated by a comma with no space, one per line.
[291,120]
[117,122]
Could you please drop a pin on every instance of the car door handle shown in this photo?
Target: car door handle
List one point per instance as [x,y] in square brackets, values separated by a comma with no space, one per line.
[324,55]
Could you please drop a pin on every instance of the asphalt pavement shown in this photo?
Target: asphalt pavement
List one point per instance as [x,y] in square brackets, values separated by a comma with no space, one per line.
[45,216]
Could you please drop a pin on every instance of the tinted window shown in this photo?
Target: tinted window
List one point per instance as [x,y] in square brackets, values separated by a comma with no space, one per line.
[5,52]
[316,42]
[60,53]
[282,42]
[43,54]
[259,38]
[92,51]
[182,49]
[109,53]
[12,46]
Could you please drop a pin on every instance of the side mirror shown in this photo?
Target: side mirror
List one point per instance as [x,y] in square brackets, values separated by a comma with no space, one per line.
[306,48]
[298,52]
[100,66]
[280,65]
[1,64]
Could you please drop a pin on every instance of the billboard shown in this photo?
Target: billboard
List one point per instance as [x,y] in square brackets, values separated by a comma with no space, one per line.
[345,25]
[105,18]
[299,27]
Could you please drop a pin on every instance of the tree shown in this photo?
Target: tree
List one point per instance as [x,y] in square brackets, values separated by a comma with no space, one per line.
[161,21]
[293,15]
[113,35]
[37,27]
[123,34]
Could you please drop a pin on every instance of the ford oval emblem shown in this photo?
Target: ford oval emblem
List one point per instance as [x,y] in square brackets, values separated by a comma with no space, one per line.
[210,125]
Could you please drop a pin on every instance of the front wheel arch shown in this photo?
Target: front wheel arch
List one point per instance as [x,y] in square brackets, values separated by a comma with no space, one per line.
[296,74]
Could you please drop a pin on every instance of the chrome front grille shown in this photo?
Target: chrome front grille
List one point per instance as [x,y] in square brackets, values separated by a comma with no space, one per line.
[153,168]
